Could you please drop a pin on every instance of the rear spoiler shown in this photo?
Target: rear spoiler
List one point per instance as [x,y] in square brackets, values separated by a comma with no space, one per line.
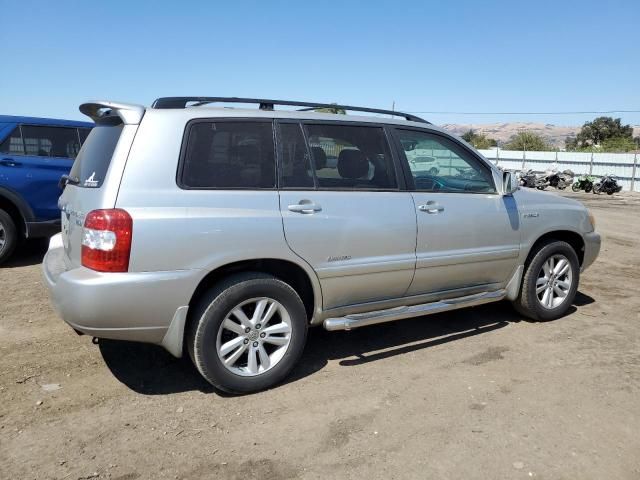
[130,114]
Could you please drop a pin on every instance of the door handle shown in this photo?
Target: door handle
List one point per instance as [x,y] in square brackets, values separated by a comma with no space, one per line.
[305,206]
[431,207]
[8,162]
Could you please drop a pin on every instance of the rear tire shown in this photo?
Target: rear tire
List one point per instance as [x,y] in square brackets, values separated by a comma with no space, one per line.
[575,187]
[8,236]
[547,293]
[237,353]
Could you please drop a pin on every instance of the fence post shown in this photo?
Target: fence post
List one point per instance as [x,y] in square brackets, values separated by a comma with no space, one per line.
[524,158]
[591,165]
[633,172]
[497,155]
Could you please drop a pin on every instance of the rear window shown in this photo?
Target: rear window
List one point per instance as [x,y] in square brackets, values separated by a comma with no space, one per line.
[92,163]
[229,155]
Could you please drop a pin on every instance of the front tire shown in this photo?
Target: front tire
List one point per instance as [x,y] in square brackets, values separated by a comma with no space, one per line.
[575,187]
[550,282]
[8,236]
[247,332]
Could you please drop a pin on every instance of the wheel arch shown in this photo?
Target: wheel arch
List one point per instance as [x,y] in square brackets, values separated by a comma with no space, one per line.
[286,270]
[572,238]
[17,208]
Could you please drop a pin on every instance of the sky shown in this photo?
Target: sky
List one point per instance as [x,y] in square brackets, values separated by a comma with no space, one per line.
[481,57]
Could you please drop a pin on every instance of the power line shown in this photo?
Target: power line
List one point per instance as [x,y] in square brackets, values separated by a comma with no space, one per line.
[528,113]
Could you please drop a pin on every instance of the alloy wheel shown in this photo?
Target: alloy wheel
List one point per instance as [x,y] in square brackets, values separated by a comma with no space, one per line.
[554,281]
[3,236]
[254,336]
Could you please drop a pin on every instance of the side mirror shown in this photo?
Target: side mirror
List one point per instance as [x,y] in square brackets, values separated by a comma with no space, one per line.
[509,183]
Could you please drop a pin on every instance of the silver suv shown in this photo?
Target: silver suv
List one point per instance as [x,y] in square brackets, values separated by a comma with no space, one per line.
[227,232]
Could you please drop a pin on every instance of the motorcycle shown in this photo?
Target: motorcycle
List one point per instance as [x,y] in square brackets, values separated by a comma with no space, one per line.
[584,182]
[560,180]
[530,179]
[607,184]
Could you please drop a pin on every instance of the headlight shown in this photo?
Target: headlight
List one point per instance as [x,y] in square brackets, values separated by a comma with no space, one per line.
[592,219]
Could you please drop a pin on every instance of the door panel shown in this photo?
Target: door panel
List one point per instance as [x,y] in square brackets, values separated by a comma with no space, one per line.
[468,234]
[361,244]
[471,240]
[33,159]
[359,238]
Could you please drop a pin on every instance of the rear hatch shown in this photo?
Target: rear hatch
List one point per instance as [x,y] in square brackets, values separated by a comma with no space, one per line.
[96,173]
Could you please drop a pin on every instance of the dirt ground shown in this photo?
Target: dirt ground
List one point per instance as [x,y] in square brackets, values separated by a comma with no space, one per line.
[478,393]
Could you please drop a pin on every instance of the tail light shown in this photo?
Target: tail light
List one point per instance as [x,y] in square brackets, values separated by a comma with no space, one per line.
[106,240]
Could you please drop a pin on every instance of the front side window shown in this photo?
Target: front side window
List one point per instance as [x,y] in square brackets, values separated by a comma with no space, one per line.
[229,155]
[12,145]
[44,141]
[438,164]
[351,157]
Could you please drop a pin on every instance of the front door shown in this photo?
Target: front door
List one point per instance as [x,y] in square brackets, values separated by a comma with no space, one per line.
[468,234]
[343,212]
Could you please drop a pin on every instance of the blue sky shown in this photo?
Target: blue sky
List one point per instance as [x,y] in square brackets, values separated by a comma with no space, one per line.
[463,56]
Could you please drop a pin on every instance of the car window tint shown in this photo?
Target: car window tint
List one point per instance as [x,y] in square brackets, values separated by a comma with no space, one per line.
[92,164]
[51,141]
[13,143]
[438,164]
[84,133]
[295,167]
[351,157]
[229,155]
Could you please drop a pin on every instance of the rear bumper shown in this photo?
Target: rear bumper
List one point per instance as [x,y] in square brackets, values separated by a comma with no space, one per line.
[124,306]
[592,244]
[42,229]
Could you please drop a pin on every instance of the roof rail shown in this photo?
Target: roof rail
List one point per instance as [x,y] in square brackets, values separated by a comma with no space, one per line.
[265,104]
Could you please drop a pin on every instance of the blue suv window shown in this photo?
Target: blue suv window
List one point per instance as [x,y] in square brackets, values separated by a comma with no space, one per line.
[45,141]
[13,145]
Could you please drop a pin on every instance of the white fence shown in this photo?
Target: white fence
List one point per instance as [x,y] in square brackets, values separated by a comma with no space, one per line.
[625,166]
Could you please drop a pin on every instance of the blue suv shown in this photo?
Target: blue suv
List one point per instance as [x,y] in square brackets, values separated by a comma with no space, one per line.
[34,154]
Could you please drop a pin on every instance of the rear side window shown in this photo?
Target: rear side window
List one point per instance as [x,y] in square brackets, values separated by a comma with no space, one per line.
[44,141]
[295,166]
[92,163]
[351,157]
[12,145]
[228,155]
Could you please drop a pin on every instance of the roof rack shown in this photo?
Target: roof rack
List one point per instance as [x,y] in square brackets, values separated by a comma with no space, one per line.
[264,104]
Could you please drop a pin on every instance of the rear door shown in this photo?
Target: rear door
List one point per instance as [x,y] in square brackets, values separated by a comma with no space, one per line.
[96,171]
[468,234]
[343,210]
[32,161]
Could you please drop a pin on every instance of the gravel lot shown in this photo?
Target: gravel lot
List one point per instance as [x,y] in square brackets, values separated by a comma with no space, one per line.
[478,393]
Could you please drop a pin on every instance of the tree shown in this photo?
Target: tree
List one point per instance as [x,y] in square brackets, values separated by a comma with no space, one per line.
[339,111]
[528,141]
[479,140]
[618,144]
[601,131]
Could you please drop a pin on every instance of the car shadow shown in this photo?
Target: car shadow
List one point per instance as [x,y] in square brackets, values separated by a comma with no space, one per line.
[150,370]
[29,252]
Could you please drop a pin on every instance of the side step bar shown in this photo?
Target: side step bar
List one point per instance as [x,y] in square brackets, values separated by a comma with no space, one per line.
[349,322]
